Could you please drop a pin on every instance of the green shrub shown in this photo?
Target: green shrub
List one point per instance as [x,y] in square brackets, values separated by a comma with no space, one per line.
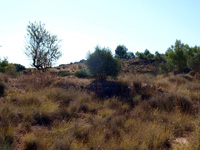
[140,55]
[19,67]
[149,56]
[121,51]
[11,70]
[3,65]
[177,55]
[2,89]
[194,63]
[83,73]
[166,67]
[64,73]
[101,64]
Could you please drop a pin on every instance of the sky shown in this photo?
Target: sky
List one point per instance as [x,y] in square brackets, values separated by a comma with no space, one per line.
[81,25]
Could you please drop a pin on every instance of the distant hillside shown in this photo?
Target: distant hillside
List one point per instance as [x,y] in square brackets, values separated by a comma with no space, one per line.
[134,65]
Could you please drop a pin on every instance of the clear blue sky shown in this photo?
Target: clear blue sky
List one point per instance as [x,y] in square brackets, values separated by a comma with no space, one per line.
[83,24]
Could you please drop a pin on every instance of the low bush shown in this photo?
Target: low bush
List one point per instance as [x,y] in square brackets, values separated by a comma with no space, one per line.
[19,67]
[11,70]
[83,73]
[194,62]
[64,73]
[166,67]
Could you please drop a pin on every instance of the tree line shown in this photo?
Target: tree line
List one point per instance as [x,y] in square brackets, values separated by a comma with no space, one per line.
[43,48]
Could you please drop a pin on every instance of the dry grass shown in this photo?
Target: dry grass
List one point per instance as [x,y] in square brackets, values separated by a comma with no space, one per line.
[41,114]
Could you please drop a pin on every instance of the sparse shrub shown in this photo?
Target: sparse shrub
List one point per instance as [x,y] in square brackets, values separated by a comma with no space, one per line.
[3,65]
[64,73]
[83,73]
[166,67]
[11,70]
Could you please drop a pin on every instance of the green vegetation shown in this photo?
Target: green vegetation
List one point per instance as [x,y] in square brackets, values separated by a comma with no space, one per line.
[64,73]
[42,47]
[166,67]
[83,73]
[3,65]
[19,67]
[150,102]
[102,64]
[122,52]
[194,63]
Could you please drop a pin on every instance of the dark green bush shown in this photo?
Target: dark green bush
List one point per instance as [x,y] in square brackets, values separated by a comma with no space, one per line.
[166,67]
[64,73]
[140,55]
[3,65]
[194,63]
[19,67]
[83,73]
[149,56]
[101,64]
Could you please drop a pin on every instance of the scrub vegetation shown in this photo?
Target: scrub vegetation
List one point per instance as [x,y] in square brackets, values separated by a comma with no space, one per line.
[125,101]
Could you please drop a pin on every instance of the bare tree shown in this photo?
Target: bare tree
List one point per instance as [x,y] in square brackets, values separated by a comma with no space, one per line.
[42,47]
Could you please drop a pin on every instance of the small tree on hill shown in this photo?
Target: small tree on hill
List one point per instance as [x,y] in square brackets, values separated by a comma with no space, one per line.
[121,51]
[3,65]
[42,47]
[101,64]
[140,55]
[177,55]
[130,55]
